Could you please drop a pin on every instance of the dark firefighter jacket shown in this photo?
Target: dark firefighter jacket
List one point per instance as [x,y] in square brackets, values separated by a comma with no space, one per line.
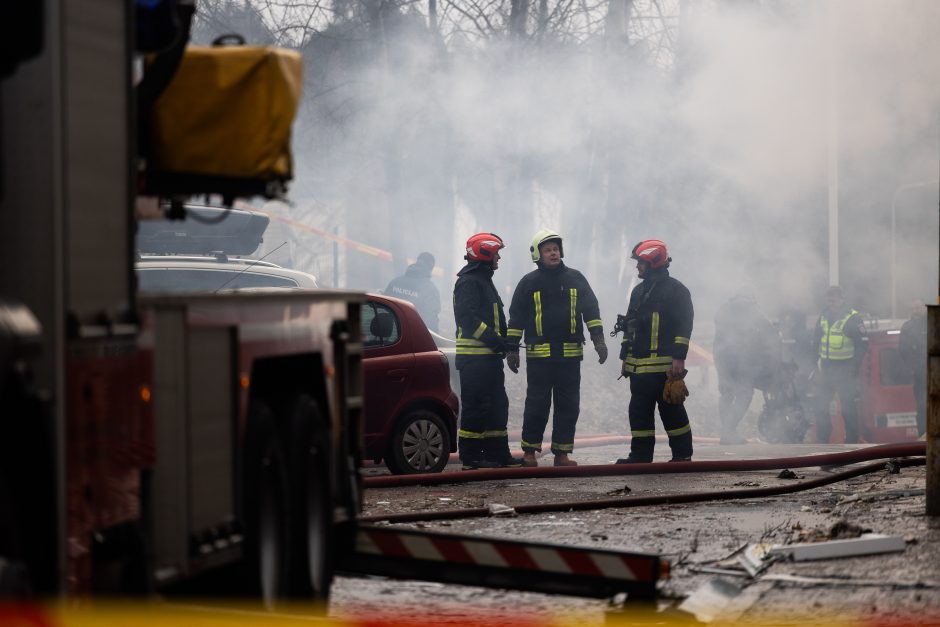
[550,308]
[478,312]
[658,326]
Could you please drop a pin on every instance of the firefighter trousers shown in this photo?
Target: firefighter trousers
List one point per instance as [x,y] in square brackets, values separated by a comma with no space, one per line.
[545,379]
[842,380]
[646,392]
[736,391]
[484,411]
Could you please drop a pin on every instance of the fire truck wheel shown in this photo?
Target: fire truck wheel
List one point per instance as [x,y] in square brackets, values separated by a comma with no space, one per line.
[267,508]
[308,446]
[420,443]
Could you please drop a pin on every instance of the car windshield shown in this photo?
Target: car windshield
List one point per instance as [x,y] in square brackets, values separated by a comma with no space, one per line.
[180,280]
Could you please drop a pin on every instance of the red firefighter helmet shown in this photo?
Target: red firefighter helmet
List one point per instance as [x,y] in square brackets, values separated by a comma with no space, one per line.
[482,247]
[652,251]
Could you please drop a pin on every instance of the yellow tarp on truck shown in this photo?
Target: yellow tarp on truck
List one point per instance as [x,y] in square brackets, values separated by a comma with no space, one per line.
[227,113]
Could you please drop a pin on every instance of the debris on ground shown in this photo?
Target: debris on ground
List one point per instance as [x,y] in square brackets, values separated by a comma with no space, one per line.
[866,544]
[719,599]
[620,491]
[498,509]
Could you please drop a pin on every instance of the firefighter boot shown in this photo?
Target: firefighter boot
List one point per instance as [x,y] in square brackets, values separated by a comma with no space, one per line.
[632,459]
[496,452]
[561,459]
[471,453]
[529,460]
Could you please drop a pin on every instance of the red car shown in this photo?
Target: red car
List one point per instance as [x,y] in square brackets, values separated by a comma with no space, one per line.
[410,408]
[410,417]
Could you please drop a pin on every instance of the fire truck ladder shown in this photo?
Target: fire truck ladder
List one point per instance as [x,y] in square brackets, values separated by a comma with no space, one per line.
[493,563]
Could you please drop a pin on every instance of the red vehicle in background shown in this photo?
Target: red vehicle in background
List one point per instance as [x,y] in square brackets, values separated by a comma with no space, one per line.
[411,416]
[888,412]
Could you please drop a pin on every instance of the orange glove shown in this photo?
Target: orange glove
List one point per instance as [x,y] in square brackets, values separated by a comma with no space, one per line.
[675,391]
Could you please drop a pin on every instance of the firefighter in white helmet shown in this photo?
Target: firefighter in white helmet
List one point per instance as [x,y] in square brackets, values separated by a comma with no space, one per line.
[549,310]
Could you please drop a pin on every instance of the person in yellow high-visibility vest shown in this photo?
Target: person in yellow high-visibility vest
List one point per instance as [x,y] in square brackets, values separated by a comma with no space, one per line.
[841,342]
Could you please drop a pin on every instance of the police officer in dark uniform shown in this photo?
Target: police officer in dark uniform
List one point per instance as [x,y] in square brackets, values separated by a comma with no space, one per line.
[416,287]
[551,306]
[841,342]
[656,341]
[482,441]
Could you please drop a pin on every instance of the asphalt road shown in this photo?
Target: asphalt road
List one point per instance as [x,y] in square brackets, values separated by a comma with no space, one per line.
[894,586]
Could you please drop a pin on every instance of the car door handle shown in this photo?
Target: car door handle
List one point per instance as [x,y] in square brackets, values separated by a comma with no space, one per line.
[397,375]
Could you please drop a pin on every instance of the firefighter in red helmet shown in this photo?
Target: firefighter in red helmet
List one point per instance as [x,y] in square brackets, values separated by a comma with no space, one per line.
[655,344]
[483,441]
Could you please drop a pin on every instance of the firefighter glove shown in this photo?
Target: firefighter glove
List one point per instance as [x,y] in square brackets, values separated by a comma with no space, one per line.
[623,368]
[512,360]
[675,390]
[601,348]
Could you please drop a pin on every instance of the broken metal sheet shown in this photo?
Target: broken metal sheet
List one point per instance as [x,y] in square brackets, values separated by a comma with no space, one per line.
[866,544]
[754,558]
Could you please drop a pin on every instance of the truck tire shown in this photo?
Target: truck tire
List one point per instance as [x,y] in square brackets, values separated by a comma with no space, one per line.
[267,509]
[14,575]
[420,443]
[308,446]
[27,508]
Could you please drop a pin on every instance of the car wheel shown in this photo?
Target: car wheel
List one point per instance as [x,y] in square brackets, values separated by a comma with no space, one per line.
[420,443]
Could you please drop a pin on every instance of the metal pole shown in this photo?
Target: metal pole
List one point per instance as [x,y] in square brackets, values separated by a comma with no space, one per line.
[933,405]
[933,410]
[833,145]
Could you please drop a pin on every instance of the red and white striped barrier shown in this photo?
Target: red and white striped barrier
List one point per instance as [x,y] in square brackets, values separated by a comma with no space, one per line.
[499,563]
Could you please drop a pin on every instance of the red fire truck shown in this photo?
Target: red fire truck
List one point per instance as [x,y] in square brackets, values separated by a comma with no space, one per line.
[151,442]
[147,441]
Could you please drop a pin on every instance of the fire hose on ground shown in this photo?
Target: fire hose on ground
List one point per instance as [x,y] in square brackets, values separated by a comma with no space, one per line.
[587,441]
[664,499]
[884,451]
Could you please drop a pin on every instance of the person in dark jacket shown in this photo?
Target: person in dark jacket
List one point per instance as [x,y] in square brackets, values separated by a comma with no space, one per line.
[841,342]
[655,344]
[747,351]
[913,350]
[482,441]
[549,310]
[416,287]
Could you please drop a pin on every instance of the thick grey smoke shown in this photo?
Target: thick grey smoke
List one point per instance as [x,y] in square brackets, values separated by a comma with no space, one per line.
[721,127]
